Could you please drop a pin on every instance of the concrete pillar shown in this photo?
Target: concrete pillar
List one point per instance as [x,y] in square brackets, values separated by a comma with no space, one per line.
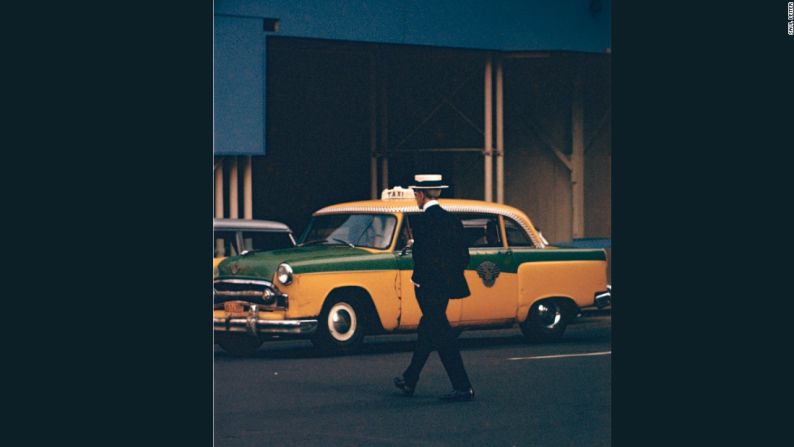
[488,143]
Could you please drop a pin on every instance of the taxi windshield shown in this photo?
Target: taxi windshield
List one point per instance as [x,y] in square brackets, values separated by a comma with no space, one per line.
[355,230]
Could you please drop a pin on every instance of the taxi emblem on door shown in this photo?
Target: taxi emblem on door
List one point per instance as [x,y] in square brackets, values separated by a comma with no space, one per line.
[488,271]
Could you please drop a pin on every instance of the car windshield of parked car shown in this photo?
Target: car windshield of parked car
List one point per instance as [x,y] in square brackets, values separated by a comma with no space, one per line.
[266,240]
[360,230]
[225,244]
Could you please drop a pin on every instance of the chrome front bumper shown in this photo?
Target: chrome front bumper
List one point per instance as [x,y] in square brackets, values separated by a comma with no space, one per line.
[604,299]
[254,326]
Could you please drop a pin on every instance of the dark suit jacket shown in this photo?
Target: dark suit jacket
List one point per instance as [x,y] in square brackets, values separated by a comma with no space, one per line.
[440,252]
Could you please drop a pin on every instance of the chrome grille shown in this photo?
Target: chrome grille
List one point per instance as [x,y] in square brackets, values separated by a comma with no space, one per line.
[242,285]
[253,291]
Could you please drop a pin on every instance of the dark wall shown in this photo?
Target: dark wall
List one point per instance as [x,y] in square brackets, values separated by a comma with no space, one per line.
[319,109]
[318,131]
[538,110]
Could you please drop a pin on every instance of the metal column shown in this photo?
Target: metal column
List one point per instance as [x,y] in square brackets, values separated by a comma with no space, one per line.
[577,159]
[233,200]
[248,202]
[373,175]
[384,171]
[373,131]
[220,249]
[500,137]
[219,189]
[488,131]
[384,134]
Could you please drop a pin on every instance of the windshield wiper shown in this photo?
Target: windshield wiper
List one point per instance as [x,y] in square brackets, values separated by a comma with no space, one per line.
[248,252]
[317,241]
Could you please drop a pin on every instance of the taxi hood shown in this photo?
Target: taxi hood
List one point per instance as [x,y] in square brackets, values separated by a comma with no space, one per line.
[312,259]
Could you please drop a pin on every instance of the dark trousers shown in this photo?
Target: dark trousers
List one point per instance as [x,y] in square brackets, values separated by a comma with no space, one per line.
[436,333]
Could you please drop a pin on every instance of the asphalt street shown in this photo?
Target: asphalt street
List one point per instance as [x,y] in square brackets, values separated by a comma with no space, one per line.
[543,394]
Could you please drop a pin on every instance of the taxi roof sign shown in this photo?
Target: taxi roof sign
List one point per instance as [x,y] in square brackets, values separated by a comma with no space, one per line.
[397,193]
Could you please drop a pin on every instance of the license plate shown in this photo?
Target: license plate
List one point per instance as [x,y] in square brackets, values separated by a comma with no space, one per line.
[233,307]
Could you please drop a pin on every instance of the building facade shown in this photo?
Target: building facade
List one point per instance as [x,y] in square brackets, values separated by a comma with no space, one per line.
[323,102]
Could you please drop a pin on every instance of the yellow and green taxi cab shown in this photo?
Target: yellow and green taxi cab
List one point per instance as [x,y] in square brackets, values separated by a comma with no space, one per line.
[350,276]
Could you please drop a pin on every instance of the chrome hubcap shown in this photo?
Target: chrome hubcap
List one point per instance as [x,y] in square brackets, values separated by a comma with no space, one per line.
[549,315]
[342,321]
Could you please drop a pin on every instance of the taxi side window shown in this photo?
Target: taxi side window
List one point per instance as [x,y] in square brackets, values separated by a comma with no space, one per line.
[481,230]
[516,235]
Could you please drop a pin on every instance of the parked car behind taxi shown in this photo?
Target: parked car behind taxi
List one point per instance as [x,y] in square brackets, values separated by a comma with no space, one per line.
[235,236]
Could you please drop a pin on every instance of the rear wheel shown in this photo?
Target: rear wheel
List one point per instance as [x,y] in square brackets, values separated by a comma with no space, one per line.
[239,345]
[547,321]
[341,326]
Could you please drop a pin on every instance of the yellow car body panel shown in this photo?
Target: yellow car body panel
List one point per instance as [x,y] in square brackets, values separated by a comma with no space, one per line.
[577,280]
[495,304]
[411,313]
[308,292]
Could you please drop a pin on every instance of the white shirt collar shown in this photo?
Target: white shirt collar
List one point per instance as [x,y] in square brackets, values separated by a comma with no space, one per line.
[429,204]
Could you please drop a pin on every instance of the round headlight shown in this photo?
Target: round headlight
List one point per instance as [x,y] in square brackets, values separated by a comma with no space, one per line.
[284,274]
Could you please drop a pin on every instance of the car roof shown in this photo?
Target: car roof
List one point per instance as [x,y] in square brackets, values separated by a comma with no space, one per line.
[250,224]
[453,205]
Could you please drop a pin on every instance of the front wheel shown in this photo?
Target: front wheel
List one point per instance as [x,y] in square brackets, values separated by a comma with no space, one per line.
[340,327]
[547,321]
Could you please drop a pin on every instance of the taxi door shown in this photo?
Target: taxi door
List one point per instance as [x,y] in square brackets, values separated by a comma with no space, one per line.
[490,275]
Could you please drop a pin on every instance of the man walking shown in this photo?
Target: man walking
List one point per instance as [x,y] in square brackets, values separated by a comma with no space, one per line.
[440,256]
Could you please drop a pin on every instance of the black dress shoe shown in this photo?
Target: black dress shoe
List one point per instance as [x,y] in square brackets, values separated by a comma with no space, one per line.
[459,396]
[403,386]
